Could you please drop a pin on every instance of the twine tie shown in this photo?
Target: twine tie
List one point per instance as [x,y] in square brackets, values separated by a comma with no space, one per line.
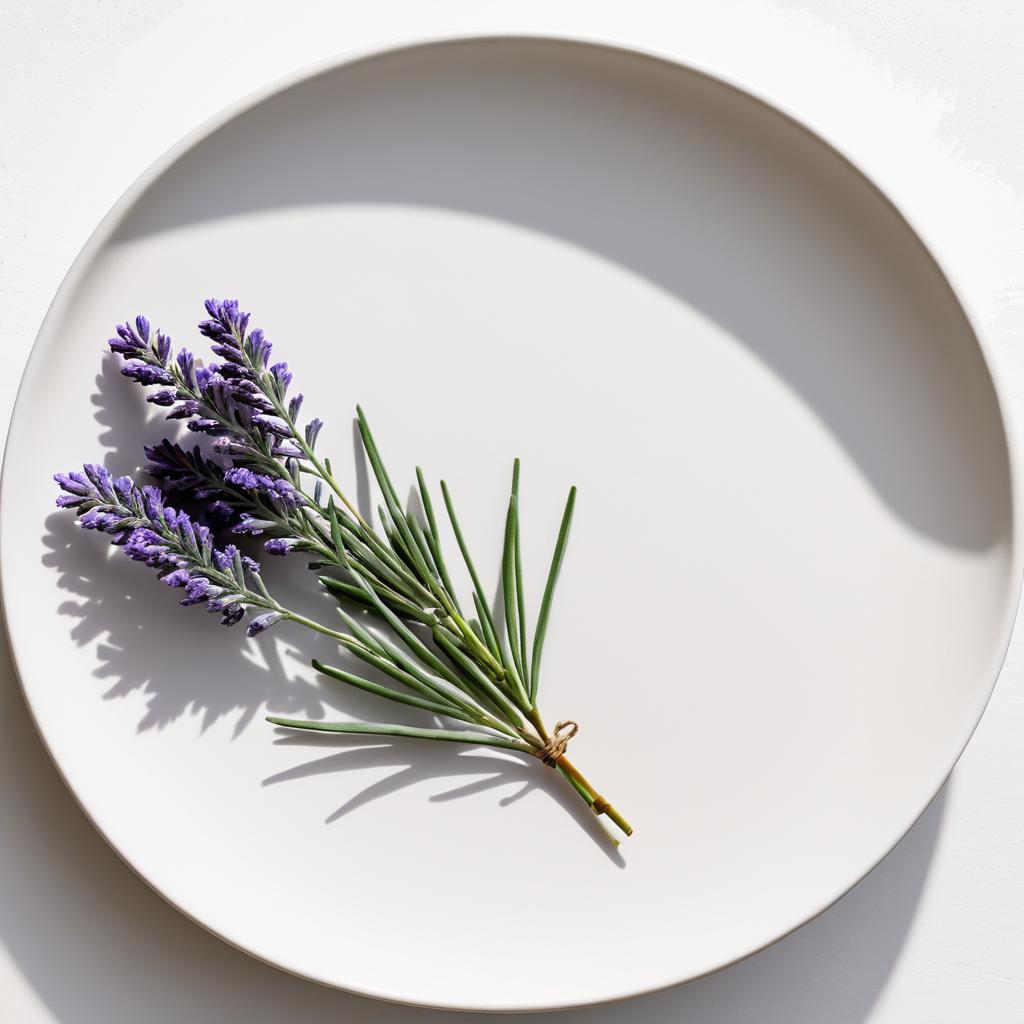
[556,744]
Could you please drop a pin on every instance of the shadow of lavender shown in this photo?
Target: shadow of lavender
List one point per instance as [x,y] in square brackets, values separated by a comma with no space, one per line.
[138,630]
[75,919]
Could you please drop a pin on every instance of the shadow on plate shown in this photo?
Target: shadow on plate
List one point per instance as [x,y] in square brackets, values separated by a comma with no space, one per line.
[695,187]
[96,944]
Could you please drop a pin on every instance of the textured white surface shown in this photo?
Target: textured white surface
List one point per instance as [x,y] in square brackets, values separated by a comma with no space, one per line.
[923,95]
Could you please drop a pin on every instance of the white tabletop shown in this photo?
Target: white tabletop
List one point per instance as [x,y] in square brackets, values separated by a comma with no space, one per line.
[923,93]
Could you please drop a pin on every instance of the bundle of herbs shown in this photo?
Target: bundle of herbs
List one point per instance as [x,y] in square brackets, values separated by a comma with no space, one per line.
[261,477]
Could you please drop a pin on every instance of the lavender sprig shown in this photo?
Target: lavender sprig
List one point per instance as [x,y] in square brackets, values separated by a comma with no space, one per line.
[138,520]
[446,662]
[238,401]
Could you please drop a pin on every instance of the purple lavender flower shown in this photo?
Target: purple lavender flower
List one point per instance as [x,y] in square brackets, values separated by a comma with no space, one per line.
[240,394]
[185,409]
[166,539]
[280,545]
[131,338]
[273,424]
[164,397]
[241,401]
[250,525]
[282,377]
[75,484]
[199,589]
[313,429]
[203,425]
[277,489]
[261,622]
[242,477]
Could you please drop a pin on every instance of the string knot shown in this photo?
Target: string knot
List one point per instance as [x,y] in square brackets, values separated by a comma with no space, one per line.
[556,744]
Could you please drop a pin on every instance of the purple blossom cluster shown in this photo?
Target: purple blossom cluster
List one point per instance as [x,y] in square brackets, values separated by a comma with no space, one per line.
[242,403]
[138,520]
[249,485]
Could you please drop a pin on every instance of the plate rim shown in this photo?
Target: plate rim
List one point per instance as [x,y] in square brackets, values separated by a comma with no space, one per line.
[401,44]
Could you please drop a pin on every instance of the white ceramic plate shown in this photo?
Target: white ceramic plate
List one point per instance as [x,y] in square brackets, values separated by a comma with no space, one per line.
[794,564]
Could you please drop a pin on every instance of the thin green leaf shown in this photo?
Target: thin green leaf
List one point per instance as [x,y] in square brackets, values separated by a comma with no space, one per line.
[339,544]
[549,592]
[406,635]
[482,610]
[520,598]
[385,691]
[404,546]
[508,587]
[434,538]
[342,589]
[372,729]
[384,664]
[424,548]
[391,498]
[372,453]
[485,624]
[384,566]
[388,651]
[508,709]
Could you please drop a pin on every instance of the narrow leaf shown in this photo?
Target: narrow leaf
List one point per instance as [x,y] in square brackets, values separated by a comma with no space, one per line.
[524,653]
[492,691]
[399,605]
[482,610]
[385,691]
[434,538]
[339,544]
[373,729]
[549,592]
[508,587]
[389,668]
[391,498]
[441,686]
[485,624]
[406,635]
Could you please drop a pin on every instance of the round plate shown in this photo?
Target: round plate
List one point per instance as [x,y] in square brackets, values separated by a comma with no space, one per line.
[794,563]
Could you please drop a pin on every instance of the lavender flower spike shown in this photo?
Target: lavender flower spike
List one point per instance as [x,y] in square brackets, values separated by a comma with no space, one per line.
[182,551]
[240,401]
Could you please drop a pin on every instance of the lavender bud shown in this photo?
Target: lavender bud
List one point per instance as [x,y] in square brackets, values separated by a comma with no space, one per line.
[242,477]
[280,545]
[282,377]
[249,524]
[183,410]
[274,424]
[144,373]
[313,429]
[74,483]
[203,425]
[163,347]
[263,622]
[187,366]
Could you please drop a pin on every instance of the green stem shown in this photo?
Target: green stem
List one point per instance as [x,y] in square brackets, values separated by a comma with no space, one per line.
[310,624]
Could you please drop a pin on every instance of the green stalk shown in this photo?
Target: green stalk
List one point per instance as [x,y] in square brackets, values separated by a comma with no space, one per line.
[520,598]
[549,592]
[372,729]
[385,691]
